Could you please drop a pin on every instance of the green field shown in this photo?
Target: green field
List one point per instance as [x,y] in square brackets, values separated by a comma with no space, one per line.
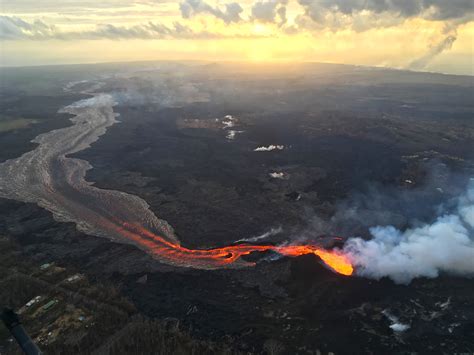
[15,124]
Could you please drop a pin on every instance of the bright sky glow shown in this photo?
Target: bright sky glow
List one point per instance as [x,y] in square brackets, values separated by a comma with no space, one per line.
[432,35]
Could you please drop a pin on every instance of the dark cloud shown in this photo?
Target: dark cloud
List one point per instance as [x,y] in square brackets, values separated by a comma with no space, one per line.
[429,9]
[14,28]
[270,11]
[190,8]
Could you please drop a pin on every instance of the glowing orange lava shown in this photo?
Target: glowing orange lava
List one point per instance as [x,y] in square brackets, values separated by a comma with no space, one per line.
[175,254]
[334,259]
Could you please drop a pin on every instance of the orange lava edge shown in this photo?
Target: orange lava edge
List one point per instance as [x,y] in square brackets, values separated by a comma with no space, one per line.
[175,254]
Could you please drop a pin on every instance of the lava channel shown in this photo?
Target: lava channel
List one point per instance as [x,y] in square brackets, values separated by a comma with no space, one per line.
[51,178]
[228,256]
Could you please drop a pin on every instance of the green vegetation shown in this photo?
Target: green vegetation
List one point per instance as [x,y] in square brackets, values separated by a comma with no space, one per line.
[14,124]
[65,315]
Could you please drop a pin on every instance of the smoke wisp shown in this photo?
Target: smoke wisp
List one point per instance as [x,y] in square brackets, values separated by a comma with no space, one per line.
[270,233]
[433,52]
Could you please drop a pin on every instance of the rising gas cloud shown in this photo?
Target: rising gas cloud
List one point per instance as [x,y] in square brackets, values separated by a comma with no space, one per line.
[446,245]
[422,62]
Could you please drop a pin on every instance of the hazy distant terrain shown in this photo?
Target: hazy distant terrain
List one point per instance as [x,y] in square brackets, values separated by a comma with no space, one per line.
[216,154]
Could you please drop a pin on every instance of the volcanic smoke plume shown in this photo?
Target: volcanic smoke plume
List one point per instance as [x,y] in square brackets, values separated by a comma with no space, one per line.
[446,245]
[423,61]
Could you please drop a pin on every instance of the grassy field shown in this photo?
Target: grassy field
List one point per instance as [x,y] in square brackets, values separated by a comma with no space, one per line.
[67,313]
[7,125]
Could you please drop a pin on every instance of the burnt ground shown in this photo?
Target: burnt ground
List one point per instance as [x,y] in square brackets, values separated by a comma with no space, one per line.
[411,137]
[215,191]
[294,303]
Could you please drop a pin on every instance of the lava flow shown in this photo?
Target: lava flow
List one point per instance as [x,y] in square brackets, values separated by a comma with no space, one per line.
[175,254]
[48,176]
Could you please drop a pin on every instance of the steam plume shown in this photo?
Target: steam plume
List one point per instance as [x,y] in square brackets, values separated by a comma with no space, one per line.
[271,232]
[434,51]
[447,245]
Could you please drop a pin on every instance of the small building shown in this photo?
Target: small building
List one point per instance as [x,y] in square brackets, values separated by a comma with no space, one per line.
[49,304]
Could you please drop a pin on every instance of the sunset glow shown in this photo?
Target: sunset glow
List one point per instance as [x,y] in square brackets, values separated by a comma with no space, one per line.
[256,31]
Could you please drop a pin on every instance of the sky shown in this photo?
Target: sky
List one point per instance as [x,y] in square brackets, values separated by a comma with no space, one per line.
[425,35]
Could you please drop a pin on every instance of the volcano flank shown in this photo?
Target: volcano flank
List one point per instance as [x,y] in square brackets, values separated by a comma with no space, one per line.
[227,208]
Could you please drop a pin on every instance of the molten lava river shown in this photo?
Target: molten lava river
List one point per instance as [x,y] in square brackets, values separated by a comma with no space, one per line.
[49,177]
[175,254]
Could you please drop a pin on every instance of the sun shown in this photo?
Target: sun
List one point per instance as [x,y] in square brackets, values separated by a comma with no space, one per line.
[259,54]
[260,29]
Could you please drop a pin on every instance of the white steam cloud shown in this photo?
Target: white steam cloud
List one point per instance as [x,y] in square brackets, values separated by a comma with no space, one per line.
[269,148]
[396,325]
[446,245]
[278,175]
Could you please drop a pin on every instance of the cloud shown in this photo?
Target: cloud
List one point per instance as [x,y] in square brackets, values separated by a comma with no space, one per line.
[14,28]
[190,8]
[432,9]
[450,34]
[446,245]
[336,21]
[22,6]
[361,15]
[273,11]
[144,31]
[365,15]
